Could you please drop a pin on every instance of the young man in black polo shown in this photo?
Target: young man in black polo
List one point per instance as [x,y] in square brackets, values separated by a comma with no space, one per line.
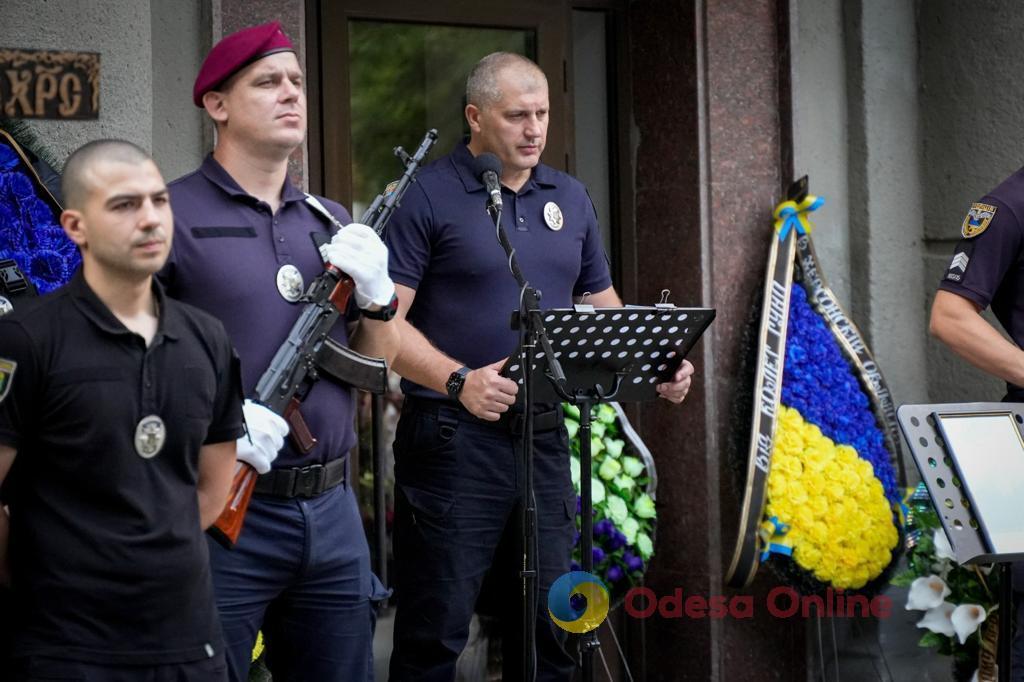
[119,410]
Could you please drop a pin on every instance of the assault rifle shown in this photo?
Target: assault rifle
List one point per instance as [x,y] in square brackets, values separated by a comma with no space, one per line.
[308,353]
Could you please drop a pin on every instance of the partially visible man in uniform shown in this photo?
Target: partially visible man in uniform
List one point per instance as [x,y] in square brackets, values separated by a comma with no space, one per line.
[119,410]
[987,269]
[244,251]
[456,466]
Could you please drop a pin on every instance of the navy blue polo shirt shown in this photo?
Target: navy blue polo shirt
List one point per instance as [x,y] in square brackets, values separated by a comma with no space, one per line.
[108,559]
[227,250]
[988,262]
[442,243]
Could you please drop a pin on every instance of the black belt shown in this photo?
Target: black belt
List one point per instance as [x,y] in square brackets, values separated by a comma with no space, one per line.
[307,481]
[511,421]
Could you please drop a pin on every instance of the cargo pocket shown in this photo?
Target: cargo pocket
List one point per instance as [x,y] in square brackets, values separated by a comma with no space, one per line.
[428,511]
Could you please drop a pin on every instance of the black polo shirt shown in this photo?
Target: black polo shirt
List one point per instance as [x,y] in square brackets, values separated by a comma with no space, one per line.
[108,561]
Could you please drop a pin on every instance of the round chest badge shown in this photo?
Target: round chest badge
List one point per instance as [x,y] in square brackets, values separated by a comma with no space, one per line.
[150,436]
[553,216]
[5,306]
[289,283]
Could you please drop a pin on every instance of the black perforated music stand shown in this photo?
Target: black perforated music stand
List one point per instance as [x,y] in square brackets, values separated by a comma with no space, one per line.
[606,354]
[971,459]
[624,352]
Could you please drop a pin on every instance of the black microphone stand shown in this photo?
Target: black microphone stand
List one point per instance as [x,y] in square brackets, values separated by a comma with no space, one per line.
[530,324]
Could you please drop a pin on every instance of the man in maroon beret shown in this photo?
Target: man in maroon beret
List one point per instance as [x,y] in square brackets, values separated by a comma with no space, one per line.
[244,250]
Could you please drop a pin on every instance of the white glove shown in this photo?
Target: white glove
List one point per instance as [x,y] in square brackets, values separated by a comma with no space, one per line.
[358,251]
[266,431]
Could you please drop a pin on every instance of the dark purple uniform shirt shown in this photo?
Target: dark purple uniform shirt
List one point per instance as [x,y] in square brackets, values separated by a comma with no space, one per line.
[227,250]
[442,244]
[988,268]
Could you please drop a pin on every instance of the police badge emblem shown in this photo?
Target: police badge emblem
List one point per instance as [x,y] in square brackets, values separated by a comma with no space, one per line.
[977,220]
[553,216]
[150,436]
[7,368]
[289,283]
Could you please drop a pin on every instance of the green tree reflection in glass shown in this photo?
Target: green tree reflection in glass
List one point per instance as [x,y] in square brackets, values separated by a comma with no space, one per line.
[405,79]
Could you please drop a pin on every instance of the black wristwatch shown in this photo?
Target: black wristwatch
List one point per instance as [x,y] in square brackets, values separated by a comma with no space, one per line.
[386,313]
[455,382]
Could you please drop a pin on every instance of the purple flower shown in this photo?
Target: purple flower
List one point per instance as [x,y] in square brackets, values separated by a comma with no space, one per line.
[575,566]
[614,574]
[633,562]
[576,540]
[618,539]
[598,555]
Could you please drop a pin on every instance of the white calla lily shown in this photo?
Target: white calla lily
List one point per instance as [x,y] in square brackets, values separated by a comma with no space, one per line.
[966,618]
[926,592]
[939,619]
[943,550]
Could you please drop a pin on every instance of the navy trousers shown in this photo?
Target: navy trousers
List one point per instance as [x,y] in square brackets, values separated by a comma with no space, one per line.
[457,523]
[41,669]
[301,572]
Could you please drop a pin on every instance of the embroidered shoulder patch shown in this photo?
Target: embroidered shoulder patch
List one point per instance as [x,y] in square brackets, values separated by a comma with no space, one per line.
[977,220]
[7,368]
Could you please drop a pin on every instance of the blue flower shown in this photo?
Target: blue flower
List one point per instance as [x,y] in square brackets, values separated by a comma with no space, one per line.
[598,555]
[29,231]
[614,574]
[819,383]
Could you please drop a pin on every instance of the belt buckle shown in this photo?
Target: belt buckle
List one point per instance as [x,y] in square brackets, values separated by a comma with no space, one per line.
[310,481]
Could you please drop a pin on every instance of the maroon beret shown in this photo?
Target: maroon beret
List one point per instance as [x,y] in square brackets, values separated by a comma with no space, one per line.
[237,51]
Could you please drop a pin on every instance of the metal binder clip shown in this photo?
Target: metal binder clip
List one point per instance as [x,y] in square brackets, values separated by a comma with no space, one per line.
[583,306]
[664,304]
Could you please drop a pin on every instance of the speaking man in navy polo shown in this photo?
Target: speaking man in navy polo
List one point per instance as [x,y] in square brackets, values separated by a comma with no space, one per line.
[244,251]
[987,270]
[455,447]
[119,410]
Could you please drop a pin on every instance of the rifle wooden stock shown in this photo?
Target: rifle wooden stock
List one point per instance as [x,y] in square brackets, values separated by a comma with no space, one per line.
[228,525]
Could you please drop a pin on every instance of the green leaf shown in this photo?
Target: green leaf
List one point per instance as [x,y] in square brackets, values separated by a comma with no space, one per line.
[597,430]
[571,411]
[931,639]
[903,579]
[574,470]
[632,466]
[572,427]
[597,492]
[596,446]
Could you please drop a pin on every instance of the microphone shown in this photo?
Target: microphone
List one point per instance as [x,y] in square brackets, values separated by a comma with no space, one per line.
[487,167]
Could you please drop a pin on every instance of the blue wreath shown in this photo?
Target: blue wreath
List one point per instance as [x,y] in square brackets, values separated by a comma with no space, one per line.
[819,383]
[29,229]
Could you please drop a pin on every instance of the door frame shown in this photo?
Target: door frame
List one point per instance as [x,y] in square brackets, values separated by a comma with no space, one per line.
[329,89]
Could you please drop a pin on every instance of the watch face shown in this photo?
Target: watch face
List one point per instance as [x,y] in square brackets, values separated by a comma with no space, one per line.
[454,384]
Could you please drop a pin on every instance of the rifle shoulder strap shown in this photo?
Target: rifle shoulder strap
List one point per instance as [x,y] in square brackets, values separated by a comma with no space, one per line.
[318,238]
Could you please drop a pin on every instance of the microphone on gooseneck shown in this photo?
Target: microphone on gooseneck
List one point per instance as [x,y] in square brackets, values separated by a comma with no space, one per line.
[487,167]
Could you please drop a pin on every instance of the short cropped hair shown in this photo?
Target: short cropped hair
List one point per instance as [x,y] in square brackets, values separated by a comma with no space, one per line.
[482,85]
[73,184]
